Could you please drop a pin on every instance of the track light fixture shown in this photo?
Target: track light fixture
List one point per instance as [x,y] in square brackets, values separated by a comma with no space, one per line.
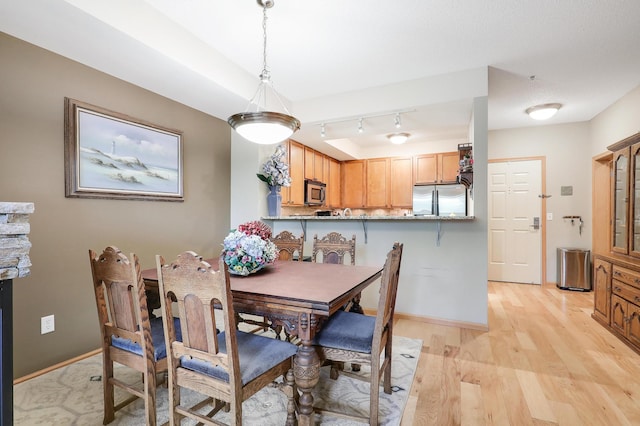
[264,127]
[396,121]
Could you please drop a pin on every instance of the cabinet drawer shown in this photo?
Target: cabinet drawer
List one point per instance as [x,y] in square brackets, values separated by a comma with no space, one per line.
[627,276]
[627,292]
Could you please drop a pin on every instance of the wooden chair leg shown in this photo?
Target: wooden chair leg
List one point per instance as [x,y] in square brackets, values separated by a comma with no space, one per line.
[290,391]
[108,391]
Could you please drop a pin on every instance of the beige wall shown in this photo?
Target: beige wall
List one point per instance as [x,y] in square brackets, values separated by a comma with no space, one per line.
[619,121]
[33,84]
[565,148]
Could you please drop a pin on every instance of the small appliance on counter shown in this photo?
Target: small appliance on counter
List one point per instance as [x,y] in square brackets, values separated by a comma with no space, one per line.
[323,212]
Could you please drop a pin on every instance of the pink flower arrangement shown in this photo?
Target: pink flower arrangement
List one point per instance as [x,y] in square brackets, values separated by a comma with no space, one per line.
[256,227]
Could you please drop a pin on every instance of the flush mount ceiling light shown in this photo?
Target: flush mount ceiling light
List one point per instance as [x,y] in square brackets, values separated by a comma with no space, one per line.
[398,138]
[543,111]
[264,127]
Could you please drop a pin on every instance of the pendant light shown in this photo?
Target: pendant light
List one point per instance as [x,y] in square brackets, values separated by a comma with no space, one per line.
[264,127]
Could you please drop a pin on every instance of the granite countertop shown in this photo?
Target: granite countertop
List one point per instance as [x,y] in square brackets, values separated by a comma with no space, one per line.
[365,217]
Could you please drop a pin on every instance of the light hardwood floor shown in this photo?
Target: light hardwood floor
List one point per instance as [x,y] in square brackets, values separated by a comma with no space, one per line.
[544,361]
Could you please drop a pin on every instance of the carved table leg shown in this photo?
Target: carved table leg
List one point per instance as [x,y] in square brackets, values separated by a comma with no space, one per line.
[306,368]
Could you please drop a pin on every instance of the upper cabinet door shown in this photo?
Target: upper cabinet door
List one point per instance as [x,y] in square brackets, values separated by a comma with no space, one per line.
[634,192]
[620,201]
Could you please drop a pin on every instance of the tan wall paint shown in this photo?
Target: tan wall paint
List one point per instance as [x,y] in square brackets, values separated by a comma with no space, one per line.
[33,84]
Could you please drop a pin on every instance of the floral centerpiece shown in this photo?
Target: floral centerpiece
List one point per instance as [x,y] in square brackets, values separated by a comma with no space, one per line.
[249,248]
[275,173]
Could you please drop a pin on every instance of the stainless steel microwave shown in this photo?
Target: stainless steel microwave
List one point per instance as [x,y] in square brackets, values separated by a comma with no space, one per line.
[314,192]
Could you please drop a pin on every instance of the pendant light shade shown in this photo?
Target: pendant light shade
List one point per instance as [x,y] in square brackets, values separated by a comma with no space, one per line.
[264,127]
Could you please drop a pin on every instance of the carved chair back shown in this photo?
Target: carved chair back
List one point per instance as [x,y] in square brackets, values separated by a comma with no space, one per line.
[288,245]
[333,247]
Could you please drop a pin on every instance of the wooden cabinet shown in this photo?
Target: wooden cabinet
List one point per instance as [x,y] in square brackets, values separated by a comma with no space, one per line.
[294,194]
[617,297]
[377,183]
[333,183]
[625,319]
[436,168]
[313,165]
[601,289]
[401,184]
[353,183]
[620,292]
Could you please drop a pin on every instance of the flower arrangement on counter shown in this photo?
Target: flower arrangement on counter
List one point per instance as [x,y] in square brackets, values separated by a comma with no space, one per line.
[249,248]
[275,171]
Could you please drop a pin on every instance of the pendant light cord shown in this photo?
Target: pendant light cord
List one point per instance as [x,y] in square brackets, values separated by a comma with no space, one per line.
[265,72]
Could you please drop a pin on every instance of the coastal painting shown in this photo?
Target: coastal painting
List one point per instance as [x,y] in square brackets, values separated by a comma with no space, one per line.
[109,155]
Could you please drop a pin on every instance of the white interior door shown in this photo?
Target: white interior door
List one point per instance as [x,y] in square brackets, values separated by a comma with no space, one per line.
[515,242]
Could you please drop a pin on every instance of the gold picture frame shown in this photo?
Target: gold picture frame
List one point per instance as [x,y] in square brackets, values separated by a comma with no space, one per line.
[114,156]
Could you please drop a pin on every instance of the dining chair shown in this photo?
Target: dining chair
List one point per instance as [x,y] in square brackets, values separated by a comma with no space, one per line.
[333,247]
[288,246]
[129,337]
[227,367]
[351,337]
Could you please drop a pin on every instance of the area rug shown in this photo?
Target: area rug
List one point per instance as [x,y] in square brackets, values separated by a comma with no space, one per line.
[72,395]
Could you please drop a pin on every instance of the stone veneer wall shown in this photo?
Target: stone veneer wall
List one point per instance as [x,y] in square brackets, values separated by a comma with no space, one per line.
[14,243]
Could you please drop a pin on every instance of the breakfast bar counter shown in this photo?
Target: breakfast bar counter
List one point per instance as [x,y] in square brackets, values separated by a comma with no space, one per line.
[367,217]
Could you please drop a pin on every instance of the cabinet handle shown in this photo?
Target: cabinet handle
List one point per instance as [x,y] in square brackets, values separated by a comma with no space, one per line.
[617,274]
[636,299]
[616,288]
[637,281]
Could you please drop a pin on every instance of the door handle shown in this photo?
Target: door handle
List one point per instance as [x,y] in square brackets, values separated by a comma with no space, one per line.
[536,223]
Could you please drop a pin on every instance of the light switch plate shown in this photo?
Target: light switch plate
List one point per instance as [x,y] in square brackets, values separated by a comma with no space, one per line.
[549,216]
[47,324]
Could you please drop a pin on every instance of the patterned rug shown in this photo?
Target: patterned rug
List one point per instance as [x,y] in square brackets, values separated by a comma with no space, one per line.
[72,395]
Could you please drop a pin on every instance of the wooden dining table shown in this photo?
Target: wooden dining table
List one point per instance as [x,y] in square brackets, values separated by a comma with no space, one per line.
[298,296]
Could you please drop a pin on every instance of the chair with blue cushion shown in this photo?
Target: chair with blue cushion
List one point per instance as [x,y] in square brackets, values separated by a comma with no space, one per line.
[227,367]
[129,336]
[356,338]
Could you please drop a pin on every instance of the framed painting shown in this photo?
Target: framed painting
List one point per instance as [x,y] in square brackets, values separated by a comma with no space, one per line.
[114,156]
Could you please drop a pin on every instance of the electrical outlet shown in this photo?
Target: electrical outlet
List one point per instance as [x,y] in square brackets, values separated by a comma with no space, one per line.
[549,216]
[47,324]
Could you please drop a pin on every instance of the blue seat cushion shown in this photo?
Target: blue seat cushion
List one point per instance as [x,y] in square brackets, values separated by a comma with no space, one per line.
[348,331]
[157,335]
[258,354]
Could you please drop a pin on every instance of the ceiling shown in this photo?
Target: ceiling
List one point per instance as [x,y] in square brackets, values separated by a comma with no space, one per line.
[335,61]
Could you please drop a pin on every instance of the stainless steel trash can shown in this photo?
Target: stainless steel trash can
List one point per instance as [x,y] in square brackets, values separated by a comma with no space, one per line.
[574,269]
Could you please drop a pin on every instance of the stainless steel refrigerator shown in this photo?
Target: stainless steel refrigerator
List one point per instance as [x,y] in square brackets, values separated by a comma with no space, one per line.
[440,200]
